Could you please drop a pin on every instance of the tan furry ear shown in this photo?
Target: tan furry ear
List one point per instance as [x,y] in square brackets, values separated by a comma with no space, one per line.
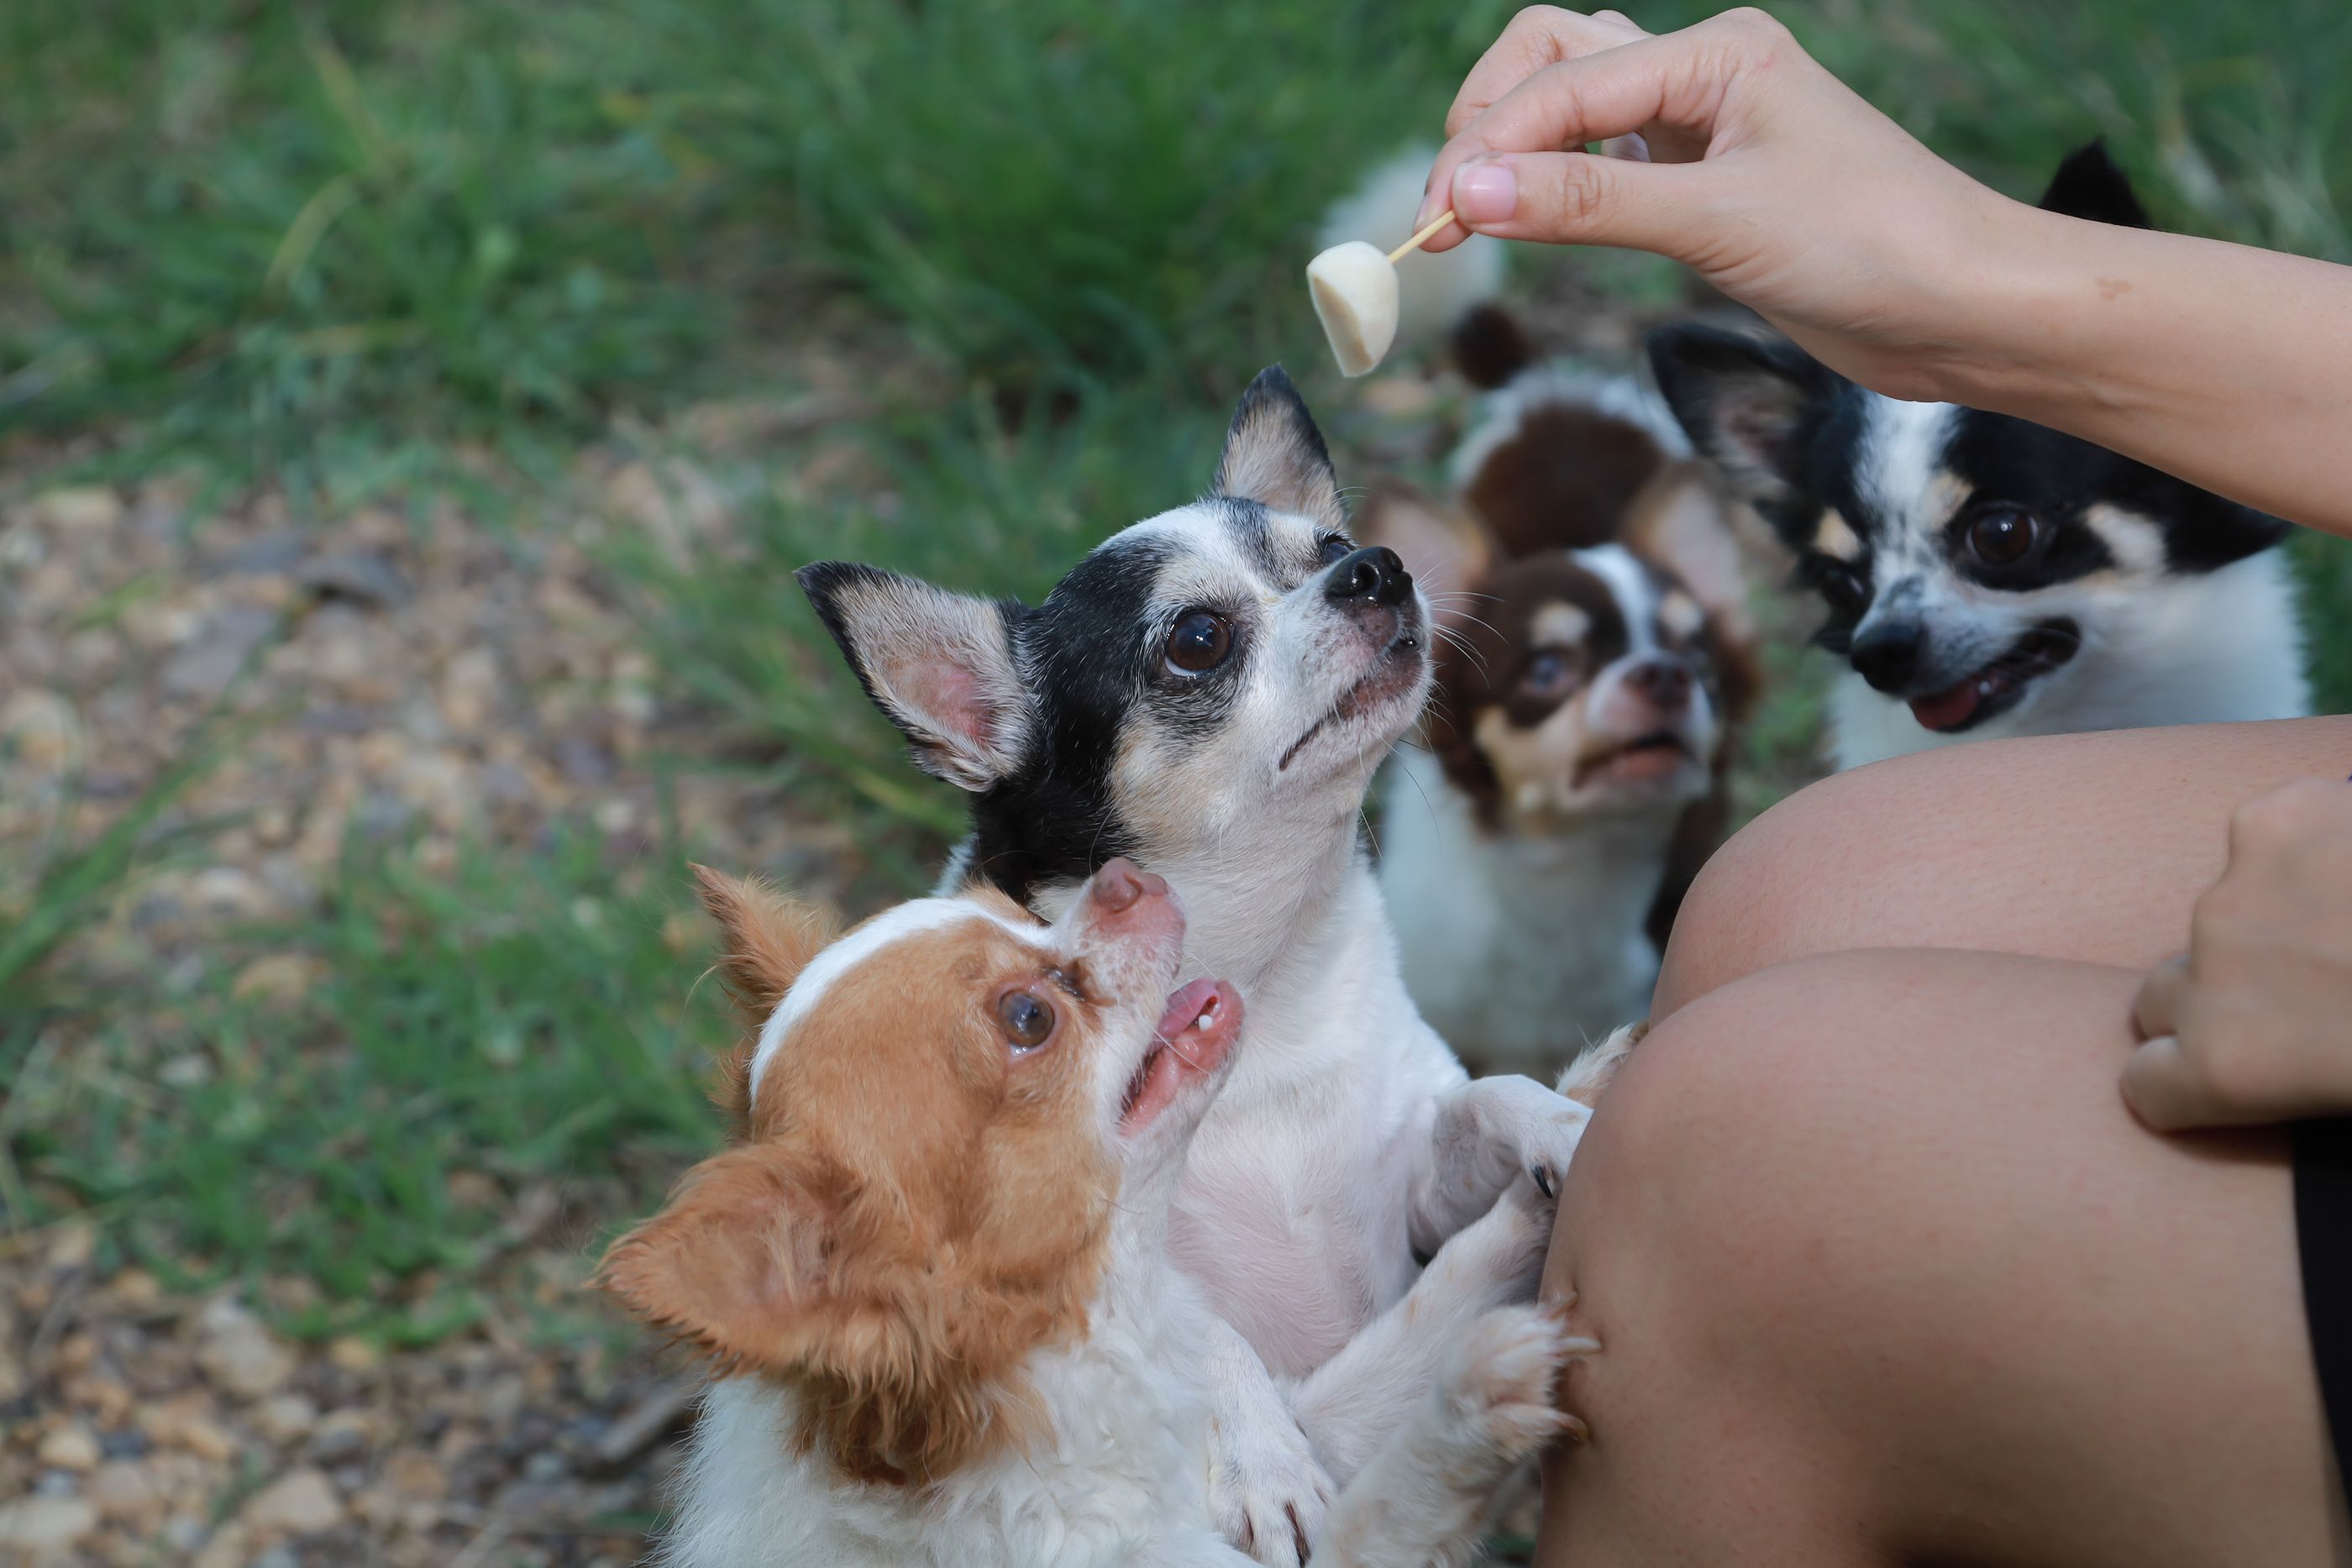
[766,938]
[735,1264]
[1447,551]
[1683,522]
[1275,456]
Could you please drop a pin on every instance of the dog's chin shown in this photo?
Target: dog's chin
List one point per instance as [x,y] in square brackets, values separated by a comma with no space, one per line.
[1663,769]
[1369,716]
[2002,684]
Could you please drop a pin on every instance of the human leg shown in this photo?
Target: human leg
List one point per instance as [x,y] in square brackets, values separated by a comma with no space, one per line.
[2087,847]
[1884,1272]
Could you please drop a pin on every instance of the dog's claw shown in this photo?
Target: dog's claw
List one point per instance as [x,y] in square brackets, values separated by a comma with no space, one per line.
[1574,1430]
[1543,1181]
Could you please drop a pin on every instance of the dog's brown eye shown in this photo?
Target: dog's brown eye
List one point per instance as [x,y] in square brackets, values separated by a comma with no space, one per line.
[1199,642]
[2001,535]
[1332,549]
[1027,1019]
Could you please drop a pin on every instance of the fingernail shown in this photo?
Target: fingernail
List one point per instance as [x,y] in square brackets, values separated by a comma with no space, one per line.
[1485,193]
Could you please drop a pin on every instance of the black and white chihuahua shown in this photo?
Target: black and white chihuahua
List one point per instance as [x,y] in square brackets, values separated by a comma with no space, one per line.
[1986,576]
[1209,693]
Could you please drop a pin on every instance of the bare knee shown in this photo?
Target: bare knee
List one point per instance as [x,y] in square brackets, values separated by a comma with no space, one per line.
[1758,899]
[1870,1217]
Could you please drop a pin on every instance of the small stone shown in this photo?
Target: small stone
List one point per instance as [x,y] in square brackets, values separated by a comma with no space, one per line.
[281,978]
[72,1247]
[124,1491]
[203,669]
[351,1353]
[239,1355]
[41,1526]
[343,1436]
[70,1448]
[362,577]
[285,1417]
[80,508]
[297,1504]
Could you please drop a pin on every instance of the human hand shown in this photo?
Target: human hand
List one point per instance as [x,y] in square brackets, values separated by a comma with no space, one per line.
[1728,149]
[2256,1023]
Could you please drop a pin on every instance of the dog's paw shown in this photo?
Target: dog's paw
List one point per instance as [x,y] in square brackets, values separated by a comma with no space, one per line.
[1498,1387]
[1267,1494]
[1537,1129]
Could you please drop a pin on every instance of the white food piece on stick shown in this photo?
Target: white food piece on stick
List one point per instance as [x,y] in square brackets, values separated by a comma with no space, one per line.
[1354,287]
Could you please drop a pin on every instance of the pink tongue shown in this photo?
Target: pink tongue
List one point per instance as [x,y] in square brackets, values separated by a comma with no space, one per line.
[1183,1008]
[1948,710]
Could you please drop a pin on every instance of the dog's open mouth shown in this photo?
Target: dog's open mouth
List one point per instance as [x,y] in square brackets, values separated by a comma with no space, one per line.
[1190,1040]
[2001,685]
[1644,758]
[1388,679]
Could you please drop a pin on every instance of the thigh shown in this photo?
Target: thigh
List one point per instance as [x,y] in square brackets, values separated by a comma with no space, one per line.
[2089,847]
[1884,1272]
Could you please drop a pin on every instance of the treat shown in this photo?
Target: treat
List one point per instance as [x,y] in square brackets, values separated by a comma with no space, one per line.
[1354,288]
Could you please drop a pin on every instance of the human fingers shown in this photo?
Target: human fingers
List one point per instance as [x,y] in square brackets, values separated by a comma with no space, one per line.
[1578,198]
[2163,1089]
[2156,1009]
[1538,37]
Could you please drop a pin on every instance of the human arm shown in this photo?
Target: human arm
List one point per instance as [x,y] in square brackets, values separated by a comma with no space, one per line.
[2254,1023]
[2216,363]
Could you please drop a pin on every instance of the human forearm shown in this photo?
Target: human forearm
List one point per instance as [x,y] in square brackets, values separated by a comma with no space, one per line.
[2220,363]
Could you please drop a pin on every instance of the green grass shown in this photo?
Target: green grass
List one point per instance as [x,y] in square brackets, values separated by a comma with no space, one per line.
[517,1022]
[387,248]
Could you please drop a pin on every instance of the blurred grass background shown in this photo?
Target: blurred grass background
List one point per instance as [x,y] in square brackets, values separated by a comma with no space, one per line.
[393,248]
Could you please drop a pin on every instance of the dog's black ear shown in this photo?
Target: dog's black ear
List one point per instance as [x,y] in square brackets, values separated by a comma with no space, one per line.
[1745,403]
[1275,455]
[2091,184]
[939,664]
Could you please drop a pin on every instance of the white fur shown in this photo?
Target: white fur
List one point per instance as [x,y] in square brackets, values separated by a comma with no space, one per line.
[2189,649]
[1524,946]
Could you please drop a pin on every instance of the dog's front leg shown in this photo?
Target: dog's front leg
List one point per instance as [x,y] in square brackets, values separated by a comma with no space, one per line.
[1267,1491]
[1357,1401]
[1425,1499]
[1486,1134]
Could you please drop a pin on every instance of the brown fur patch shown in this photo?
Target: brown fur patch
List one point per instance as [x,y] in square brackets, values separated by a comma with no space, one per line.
[909,1210]
[1563,480]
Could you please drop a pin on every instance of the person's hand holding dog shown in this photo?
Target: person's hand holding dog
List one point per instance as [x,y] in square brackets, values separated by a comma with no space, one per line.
[2254,1023]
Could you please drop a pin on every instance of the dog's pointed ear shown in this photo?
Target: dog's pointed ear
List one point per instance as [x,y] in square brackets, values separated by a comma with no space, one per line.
[939,664]
[1745,401]
[2091,184]
[1275,455]
[766,939]
[1447,551]
[1683,522]
[738,1261]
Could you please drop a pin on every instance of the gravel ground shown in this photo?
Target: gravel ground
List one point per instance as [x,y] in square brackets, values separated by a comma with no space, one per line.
[424,675]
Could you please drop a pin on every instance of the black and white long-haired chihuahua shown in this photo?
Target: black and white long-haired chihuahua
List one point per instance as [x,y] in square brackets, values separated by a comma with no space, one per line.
[1986,576]
[1593,664]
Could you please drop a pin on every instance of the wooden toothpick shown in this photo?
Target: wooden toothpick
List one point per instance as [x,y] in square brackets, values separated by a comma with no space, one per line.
[1409,246]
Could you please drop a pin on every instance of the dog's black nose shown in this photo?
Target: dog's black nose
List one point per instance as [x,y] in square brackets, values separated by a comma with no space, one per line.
[1375,573]
[1888,655]
[1666,683]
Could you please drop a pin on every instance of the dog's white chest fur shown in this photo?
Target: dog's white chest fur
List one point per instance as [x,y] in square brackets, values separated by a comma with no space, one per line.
[1519,949]
[1116,1475]
[2224,645]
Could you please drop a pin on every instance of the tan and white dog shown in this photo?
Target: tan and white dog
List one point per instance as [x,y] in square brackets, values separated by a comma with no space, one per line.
[934,1277]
